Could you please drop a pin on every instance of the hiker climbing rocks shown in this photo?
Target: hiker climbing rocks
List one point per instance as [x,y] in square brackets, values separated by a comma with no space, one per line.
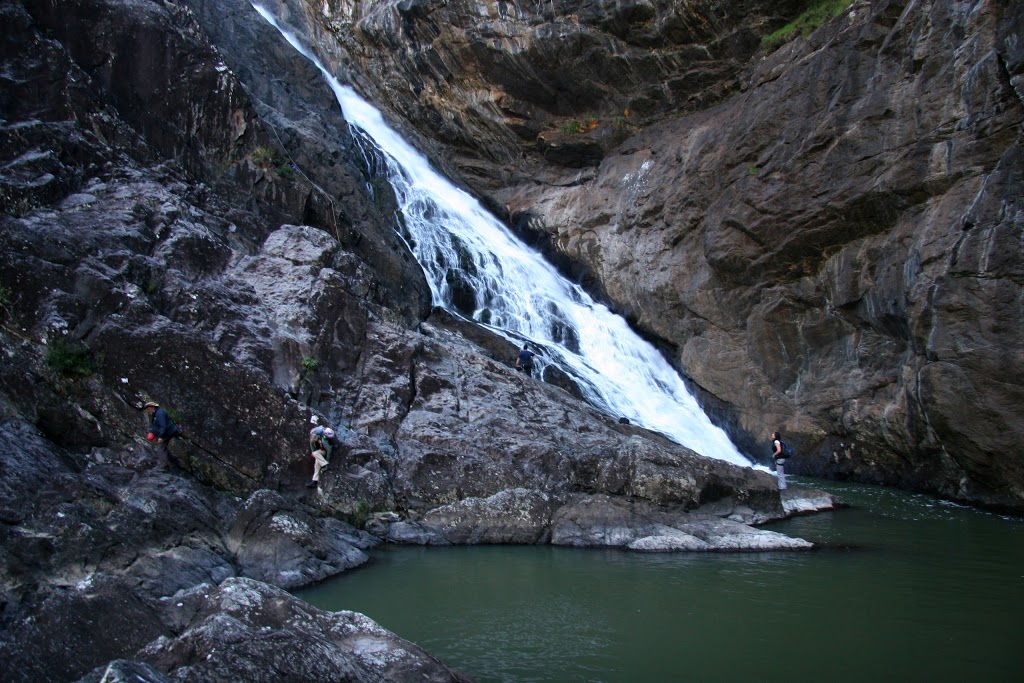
[161,430]
[524,361]
[780,451]
[320,445]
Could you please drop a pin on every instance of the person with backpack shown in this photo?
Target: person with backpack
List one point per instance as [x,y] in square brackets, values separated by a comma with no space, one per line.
[524,361]
[321,447]
[161,430]
[780,451]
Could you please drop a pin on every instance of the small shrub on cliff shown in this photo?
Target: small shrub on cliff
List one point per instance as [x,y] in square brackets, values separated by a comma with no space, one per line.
[815,15]
[587,124]
[310,364]
[264,157]
[69,358]
[360,515]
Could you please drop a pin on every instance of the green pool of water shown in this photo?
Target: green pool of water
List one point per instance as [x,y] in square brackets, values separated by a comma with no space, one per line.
[905,588]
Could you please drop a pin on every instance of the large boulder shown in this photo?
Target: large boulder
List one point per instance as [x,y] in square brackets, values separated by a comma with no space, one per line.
[286,546]
[246,630]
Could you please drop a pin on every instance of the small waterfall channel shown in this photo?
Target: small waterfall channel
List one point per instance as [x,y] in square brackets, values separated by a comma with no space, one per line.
[478,269]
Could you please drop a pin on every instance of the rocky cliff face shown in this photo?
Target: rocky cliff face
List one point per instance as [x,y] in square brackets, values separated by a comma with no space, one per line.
[826,238]
[185,219]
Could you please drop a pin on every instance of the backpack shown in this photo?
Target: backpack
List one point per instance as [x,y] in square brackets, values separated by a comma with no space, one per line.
[787,450]
[323,436]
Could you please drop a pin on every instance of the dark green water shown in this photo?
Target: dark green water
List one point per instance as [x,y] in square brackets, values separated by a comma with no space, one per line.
[907,589]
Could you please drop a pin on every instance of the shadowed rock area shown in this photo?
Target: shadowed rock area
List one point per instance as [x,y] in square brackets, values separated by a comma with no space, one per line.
[196,230]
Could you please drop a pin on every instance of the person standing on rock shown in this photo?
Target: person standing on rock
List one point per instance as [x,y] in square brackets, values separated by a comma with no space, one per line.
[524,361]
[161,430]
[780,459]
[320,445]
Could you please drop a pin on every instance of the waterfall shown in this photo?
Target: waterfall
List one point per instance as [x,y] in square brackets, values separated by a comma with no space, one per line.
[478,269]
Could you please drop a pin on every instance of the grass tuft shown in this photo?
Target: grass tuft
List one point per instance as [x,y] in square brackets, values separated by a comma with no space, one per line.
[70,359]
[815,15]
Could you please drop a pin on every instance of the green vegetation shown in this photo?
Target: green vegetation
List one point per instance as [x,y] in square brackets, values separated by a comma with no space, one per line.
[360,515]
[753,170]
[70,359]
[588,123]
[268,158]
[815,15]
[310,363]
[265,157]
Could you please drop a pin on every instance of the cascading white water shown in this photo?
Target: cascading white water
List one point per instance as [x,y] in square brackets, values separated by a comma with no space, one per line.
[477,268]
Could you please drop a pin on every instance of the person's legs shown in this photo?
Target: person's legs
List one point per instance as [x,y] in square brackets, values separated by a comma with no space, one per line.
[161,452]
[781,471]
[319,462]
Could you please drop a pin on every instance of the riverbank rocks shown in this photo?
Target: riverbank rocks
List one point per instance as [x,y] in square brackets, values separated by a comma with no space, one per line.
[247,630]
[523,516]
[277,541]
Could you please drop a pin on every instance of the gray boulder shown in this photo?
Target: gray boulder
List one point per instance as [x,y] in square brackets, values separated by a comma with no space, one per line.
[247,630]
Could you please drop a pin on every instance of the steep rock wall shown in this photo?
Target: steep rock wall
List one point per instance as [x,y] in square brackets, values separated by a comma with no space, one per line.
[838,257]
[825,238]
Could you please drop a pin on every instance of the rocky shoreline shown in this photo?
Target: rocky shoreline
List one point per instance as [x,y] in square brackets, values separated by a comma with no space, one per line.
[107,559]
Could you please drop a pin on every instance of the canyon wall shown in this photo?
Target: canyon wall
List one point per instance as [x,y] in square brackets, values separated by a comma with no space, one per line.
[825,237]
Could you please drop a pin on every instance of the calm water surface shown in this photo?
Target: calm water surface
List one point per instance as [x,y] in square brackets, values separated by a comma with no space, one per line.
[906,589]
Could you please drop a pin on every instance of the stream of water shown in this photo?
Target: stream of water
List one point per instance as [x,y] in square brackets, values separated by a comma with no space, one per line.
[905,588]
[477,268]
